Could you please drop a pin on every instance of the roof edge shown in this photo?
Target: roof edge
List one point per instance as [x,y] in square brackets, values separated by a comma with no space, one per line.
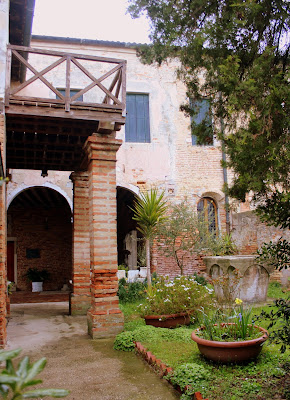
[93,42]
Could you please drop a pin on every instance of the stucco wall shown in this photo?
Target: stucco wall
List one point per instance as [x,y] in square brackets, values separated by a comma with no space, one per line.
[170,161]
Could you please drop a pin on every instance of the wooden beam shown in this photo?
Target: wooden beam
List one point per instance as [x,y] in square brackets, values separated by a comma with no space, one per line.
[60,54]
[102,114]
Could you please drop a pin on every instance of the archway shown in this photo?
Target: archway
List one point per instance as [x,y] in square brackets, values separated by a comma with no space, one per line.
[39,228]
[127,234]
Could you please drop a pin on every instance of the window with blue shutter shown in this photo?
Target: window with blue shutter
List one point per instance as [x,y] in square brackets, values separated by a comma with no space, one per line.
[202,116]
[137,127]
[72,93]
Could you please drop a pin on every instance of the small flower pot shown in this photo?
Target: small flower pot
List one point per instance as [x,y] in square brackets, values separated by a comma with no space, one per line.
[37,286]
[231,352]
[167,321]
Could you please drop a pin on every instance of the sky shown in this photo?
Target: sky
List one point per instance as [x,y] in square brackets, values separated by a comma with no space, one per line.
[89,19]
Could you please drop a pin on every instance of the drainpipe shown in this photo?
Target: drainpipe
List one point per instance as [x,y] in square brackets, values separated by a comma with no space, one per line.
[225,175]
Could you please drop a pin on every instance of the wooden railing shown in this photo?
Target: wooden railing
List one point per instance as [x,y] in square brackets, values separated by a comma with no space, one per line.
[113,96]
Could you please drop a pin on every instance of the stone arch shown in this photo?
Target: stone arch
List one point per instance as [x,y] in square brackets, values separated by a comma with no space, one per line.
[254,284]
[20,188]
[216,273]
[39,217]
[218,197]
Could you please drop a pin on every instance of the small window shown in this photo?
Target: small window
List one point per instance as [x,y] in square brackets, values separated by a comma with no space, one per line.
[137,127]
[207,208]
[72,93]
[202,118]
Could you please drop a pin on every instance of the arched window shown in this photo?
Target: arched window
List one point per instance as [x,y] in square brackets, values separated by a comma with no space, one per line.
[207,207]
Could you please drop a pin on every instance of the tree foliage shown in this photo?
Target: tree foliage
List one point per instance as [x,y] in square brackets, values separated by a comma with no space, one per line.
[235,53]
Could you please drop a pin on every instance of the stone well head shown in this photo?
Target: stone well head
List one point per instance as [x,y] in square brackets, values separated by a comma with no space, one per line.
[243,276]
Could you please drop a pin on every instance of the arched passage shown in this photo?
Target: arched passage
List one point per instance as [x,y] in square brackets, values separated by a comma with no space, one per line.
[40,230]
[127,234]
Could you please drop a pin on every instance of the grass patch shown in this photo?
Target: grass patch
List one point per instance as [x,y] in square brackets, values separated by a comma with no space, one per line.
[276,291]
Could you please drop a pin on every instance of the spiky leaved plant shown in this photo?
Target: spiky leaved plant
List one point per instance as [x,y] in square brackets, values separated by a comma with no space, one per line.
[149,209]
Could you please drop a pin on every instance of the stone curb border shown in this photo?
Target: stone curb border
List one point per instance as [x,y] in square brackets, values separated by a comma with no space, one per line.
[160,367]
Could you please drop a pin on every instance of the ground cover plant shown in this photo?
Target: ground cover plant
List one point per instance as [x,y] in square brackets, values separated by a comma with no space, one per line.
[263,379]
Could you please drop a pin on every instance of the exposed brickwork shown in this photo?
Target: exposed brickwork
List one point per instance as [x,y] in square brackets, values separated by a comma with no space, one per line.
[81,297]
[162,368]
[104,316]
[48,230]
[249,233]
[3,283]
[166,266]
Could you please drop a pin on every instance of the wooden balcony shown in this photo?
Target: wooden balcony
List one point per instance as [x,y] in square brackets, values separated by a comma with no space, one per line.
[64,99]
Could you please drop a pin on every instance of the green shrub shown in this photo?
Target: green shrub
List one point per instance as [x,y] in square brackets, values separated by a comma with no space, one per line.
[124,341]
[131,292]
[190,374]
[200,279]
[183,294]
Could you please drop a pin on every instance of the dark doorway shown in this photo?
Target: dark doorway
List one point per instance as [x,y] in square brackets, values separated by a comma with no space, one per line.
[127,234]
[40,221]
[10,261]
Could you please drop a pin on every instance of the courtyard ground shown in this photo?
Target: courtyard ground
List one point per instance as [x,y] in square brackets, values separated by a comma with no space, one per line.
[90,369]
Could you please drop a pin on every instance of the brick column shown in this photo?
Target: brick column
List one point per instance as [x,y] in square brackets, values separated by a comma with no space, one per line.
[104,317]
[3,242]
[81,296]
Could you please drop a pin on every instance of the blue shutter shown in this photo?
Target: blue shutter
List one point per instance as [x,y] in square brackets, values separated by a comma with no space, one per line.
[137,128]
[72,93]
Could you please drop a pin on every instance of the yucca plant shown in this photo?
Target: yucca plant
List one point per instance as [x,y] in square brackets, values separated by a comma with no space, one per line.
[149,209]
[15,381]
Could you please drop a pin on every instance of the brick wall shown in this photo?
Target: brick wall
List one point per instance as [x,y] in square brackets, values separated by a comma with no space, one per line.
[3,287]
[48,230]
[249,233]
[167,266]
[81,297]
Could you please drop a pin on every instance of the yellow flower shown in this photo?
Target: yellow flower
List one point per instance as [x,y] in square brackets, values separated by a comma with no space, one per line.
[238,301]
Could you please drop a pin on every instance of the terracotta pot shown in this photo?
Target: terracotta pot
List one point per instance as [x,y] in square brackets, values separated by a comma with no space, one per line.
[226,352]
[167,321]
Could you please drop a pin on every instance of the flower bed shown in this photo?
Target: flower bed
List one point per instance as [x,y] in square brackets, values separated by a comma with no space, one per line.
[181,295]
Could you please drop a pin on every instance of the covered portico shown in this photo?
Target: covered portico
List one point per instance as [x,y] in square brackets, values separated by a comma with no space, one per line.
[56,127]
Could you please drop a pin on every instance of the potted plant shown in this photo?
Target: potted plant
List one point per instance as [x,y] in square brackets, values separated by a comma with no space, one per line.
[174,302]
[37,277]
[230,338]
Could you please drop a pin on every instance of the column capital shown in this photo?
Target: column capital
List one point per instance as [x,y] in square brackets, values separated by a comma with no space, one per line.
[100,147]
[79,176]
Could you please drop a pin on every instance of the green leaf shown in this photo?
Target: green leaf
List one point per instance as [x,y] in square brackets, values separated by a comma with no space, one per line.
[33,394]
[35,369]
[7,355]
[23,367]
[8,379]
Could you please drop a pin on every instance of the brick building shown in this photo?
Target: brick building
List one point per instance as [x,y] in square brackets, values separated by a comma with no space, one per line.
[75,168]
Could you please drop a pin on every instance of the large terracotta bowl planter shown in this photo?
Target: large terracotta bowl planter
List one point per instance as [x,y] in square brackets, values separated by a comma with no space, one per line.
[226,352]
[167,321]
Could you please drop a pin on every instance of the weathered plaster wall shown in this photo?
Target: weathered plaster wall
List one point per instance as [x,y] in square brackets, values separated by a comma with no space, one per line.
[23,179]
[170,161]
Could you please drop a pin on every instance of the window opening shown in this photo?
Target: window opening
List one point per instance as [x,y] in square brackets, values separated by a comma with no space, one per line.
[137,127]
[202,121]
[207,208]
